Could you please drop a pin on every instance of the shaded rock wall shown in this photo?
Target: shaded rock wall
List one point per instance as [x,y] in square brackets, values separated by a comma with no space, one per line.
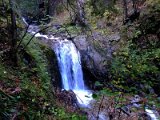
[89,56]
[53,67]
[96,59]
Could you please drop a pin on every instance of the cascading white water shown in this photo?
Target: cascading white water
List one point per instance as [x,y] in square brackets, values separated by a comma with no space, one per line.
[69,64]
[71,71]
[152,113]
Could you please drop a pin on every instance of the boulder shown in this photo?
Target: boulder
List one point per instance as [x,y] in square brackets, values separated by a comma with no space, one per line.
[68,98]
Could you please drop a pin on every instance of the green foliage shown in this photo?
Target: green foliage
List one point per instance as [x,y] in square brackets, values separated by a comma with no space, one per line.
[35,51]
[100,7]
[107,14]
[98,84]
[62,115]
[26,6]
[154,5]
[67,29]
[73,29]
[27,90]
[134,65]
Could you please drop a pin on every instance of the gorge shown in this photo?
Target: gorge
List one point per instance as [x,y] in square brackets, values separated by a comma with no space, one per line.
[79,59]
[69,63]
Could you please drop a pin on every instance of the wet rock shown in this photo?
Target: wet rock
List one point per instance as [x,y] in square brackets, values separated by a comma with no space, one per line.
[90,57]
[114,37]
[33,29]
[152,113]
[103,116]
[68,98]
[135,101]
[57,26]
[126,110]
[96,50]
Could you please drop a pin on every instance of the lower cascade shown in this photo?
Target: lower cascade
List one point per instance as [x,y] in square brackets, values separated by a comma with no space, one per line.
[69,63]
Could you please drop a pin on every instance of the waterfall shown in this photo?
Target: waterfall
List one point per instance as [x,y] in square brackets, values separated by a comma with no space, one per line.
[69,63]
[71,71]
[154,115]
[70,66]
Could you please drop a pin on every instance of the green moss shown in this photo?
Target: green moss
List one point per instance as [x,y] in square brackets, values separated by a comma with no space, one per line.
[67,30]
[41,62]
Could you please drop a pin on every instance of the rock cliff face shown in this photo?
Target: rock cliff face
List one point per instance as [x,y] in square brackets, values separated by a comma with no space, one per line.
[96,50]
[93,59]
[89,56]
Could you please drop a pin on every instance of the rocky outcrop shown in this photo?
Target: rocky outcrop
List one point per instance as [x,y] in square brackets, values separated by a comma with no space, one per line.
[67,99]
[96,50]
[89,56]
[92,57]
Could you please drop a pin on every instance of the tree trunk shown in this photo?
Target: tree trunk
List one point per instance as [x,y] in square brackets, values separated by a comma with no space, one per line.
[52,7]
[125,9]
[13,33]
[80,14]
[134,5]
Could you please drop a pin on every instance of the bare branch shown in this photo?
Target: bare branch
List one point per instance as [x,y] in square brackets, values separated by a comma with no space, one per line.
[34,35]
[100,107]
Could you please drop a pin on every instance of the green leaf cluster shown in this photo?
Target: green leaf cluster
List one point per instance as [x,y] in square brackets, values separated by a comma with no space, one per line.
[134,65]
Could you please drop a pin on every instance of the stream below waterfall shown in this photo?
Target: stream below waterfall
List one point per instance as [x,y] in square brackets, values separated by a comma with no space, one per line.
[69,62]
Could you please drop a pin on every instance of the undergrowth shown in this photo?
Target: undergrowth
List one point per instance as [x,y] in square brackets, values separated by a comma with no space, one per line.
[26,91]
